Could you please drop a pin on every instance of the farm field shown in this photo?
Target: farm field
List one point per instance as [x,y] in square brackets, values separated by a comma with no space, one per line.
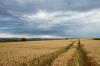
[50,53]
[92,48]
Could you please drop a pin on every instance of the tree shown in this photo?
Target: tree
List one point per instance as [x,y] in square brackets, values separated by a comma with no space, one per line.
[23,39]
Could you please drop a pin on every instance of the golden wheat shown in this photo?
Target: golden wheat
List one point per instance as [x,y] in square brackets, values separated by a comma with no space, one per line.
[30,53]
[92,48]
[65,59]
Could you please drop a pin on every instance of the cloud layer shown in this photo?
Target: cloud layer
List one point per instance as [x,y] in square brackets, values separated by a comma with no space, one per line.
[68,18]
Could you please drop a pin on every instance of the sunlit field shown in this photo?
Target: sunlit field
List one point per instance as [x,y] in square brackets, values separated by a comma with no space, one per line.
[92,48]
[35,53]
[50,53]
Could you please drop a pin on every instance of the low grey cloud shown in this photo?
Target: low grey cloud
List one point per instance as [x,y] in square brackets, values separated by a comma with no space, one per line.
[70,18]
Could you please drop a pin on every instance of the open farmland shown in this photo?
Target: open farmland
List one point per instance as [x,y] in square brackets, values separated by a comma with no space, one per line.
[31,53]
[50,53]
[92,48]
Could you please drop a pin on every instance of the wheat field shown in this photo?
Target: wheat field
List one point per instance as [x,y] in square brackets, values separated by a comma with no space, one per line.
[50,53]
[92,48]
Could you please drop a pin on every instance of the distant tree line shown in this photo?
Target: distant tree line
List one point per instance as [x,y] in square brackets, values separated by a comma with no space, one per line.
[13,40]
[96,38]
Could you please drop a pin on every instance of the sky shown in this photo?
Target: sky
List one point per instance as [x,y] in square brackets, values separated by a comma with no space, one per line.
[50,18]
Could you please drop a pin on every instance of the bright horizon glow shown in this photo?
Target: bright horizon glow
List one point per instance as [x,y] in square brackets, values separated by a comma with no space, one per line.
[5,35]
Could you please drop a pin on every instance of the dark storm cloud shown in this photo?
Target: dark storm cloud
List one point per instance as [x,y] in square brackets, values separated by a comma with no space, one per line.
[17,7]
[77,5]
[31,6]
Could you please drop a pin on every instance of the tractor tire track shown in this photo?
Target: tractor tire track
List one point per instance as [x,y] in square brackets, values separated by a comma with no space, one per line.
[75,56]
[80,57]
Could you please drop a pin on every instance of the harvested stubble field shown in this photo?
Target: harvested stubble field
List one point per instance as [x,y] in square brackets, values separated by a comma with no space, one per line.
[50,53]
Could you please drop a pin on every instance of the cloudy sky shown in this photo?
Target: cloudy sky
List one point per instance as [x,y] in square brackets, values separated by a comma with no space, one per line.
[48,18]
